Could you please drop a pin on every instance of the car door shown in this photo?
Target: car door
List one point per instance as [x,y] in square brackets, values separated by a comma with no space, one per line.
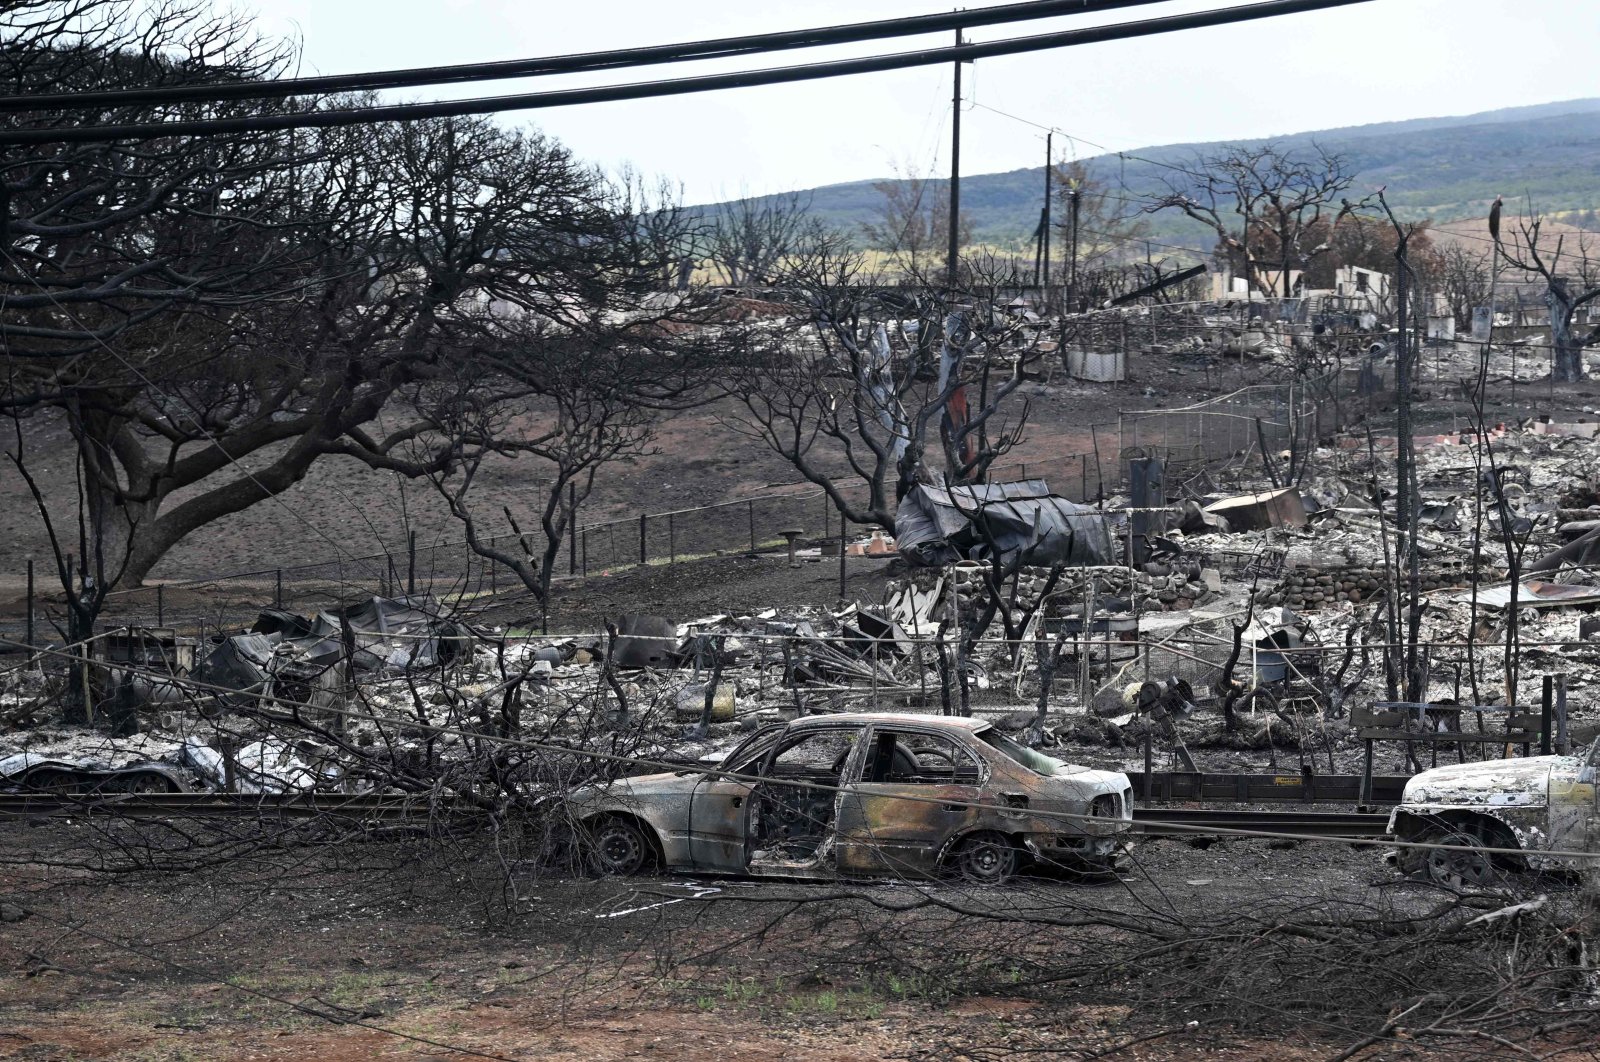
[719,806]
[1574,808]
[914,794]
[793,810]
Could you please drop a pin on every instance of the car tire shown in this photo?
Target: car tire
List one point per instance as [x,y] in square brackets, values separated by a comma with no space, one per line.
[53,780]
[142,782]
[1464,865]
[619,847]
[985,859]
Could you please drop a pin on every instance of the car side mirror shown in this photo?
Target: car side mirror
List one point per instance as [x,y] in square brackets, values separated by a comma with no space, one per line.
[1586,776]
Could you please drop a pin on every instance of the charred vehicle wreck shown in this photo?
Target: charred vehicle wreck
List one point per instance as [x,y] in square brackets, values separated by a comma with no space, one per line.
[871,795]
[1537,805]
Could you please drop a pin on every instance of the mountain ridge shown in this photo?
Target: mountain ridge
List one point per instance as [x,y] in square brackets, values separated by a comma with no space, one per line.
[1444,168]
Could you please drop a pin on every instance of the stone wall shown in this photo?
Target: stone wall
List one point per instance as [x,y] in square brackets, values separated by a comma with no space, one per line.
[1314,588]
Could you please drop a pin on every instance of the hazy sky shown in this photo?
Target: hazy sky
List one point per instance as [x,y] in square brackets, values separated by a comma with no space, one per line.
[1376,61]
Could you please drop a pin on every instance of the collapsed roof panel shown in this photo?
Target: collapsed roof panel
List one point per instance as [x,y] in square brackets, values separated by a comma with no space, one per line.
[939,525]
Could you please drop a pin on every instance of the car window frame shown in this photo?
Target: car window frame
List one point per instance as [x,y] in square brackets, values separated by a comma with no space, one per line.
[861,729]
[998,750]
[952,736]
[726,767]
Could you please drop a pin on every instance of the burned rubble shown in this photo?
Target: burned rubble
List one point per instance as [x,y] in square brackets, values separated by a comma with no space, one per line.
[1048,616]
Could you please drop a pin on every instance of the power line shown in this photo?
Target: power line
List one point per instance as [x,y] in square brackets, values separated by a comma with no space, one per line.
[616,59]
[1435,229]
[673,87]
[1086,140]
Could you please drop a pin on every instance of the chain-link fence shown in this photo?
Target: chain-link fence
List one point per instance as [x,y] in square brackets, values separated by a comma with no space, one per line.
[752,524]
[1224,434]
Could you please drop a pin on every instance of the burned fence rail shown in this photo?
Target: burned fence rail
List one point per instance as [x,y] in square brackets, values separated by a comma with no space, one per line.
[375,807]
[1247,788]
[1187,822]
[740,526]
[450,569]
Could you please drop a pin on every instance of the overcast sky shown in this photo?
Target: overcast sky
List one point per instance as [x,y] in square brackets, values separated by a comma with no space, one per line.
[1376,61]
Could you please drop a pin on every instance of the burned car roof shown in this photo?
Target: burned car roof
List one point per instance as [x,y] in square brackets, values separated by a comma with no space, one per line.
[903,718]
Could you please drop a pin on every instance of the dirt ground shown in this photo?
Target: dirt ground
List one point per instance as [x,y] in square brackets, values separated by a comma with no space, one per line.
[312,956]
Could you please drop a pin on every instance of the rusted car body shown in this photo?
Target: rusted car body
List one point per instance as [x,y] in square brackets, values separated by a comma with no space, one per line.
[870,795]
[1537,805]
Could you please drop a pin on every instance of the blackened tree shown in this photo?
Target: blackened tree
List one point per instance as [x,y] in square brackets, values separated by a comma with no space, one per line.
[1269,208]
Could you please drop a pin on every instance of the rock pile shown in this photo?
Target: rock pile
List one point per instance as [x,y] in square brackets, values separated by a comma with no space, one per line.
[1159,588]
[1321,587]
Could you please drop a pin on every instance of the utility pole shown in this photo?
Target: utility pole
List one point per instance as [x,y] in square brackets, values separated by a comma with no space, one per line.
[1044,233]
[1038,248]
[952,259]
[1072,283]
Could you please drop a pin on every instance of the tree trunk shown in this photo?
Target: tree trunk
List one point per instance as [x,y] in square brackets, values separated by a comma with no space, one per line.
[1566,360]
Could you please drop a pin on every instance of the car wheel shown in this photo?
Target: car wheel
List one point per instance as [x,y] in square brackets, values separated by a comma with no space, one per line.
[53,780]
[1463,865]
[144,782]
[986,859]
[619,847]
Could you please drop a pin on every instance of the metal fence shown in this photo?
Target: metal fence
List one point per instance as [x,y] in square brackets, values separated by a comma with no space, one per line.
[1225,436]
[747,525]
[451,570]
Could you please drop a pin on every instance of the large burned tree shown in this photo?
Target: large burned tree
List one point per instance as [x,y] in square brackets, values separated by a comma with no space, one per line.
[209,317]
[212,317]
[126,267]
[870,389]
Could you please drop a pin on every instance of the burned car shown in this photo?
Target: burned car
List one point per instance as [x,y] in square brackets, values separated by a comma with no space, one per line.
[1535,805]
[26,772]
[871,795]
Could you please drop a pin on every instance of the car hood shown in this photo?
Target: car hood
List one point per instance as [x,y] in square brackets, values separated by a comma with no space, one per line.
[1500,783]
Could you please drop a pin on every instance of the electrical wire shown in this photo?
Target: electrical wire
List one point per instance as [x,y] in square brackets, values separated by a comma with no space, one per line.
[673,87]
[614,59]
[1086,140]
[1439,229]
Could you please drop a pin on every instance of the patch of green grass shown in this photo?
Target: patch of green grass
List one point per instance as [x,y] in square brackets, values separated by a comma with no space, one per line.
[858,1000]
[744,990]
[916,987]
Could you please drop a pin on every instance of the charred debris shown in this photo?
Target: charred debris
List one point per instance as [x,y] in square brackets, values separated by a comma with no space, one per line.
[1230,607]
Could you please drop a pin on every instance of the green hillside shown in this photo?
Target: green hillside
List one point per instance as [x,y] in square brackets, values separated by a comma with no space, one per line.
[1443,168]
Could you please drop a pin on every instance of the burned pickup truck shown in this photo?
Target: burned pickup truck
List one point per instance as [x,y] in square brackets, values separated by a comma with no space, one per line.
[1537,805]
[871,795]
